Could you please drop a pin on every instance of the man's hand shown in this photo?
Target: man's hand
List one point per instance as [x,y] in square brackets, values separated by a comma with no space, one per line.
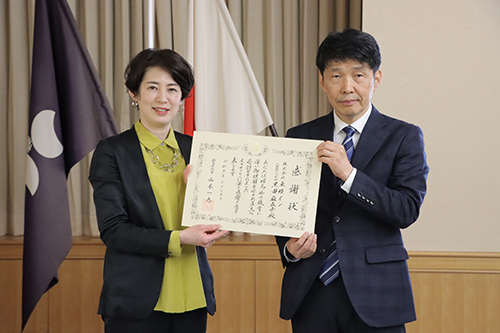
[335,156]
[303,247]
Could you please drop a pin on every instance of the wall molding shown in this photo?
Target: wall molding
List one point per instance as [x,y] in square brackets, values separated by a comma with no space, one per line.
[263,247]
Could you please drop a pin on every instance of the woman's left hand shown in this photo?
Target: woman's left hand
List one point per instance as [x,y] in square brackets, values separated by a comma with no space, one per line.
[187,171]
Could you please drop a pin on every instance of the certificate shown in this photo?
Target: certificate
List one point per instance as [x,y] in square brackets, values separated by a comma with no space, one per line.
[255,184]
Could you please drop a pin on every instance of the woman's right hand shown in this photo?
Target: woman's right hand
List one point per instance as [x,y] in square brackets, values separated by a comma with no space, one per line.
[202,235]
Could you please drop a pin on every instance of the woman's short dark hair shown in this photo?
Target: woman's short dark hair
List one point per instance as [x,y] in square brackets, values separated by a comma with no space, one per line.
[350,44]
[169,60]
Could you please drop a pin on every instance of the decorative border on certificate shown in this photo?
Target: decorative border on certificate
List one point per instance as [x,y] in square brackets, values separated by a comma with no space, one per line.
[253,184]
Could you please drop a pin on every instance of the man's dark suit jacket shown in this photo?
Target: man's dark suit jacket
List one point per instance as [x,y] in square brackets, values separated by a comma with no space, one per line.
[385,196]
[131,227]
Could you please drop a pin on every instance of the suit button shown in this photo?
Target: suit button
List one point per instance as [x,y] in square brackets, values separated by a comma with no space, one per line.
[322,251]
[336,219]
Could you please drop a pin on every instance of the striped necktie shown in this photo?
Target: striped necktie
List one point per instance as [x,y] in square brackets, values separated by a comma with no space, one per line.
[348,143]
[330,268]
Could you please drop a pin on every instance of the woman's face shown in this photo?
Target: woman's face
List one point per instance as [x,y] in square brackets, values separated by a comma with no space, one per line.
[158,98]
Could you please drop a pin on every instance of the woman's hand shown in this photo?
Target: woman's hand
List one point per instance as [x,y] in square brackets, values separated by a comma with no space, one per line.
[202,235]
[187,171]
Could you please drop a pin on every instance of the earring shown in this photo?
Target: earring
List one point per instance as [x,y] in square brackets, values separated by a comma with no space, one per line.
[135,104]
[181,107]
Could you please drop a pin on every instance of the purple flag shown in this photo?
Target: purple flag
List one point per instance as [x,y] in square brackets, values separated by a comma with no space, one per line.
[69,113]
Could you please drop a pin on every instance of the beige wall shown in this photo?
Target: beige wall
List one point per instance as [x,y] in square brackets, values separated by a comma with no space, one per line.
[441,71]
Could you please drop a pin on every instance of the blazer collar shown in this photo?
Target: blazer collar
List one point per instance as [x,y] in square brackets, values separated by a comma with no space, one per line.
[324,129]
[370,140]
[135,152]
[184,142]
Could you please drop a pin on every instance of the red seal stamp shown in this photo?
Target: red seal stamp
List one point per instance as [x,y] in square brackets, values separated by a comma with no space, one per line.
[208,205]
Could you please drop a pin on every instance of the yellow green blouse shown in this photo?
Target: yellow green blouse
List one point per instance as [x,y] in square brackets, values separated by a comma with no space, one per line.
[182,289]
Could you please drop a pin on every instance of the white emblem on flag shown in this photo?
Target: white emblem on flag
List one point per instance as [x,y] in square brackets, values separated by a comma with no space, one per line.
[45,141]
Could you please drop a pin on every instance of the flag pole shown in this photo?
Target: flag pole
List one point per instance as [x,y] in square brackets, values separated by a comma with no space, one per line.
[273,130]
[150,28]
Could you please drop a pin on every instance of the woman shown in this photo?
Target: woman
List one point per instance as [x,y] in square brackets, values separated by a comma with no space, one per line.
[156,274]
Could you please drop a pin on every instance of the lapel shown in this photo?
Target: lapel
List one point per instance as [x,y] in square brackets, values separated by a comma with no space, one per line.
[184,142]
[370,140]
[133,158]
[133,154]
[323,129]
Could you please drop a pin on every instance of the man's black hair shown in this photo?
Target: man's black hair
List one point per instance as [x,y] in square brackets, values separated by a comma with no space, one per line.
[350,44]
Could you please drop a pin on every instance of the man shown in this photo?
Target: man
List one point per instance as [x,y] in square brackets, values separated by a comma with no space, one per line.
[351,275]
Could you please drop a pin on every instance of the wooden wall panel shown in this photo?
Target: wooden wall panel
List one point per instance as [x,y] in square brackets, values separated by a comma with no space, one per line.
[235,296]
[39,319]
[268,293]
[456,302]
[10,294]
[454,292]
[74,300]
[11,282]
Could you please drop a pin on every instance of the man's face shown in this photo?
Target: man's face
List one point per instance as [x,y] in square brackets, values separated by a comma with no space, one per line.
[349,86]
